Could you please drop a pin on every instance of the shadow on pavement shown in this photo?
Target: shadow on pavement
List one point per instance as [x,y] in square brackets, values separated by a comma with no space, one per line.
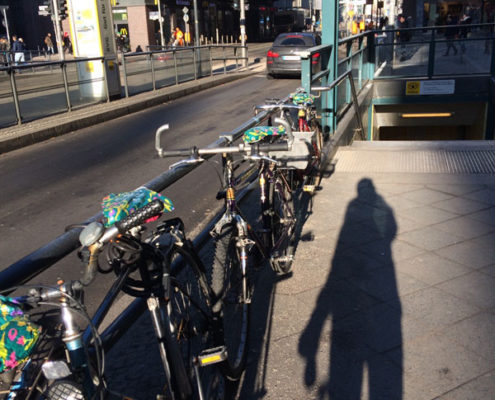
[361,299]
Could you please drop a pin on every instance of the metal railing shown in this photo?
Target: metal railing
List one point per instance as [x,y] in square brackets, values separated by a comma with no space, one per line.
[38,261]
[65,86]
[151,70]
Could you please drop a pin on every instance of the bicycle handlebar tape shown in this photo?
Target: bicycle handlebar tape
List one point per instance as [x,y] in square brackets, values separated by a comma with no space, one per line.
[180,152]
[282,146]
[140,216]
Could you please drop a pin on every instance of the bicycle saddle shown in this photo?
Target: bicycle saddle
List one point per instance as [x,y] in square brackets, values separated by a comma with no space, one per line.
[118,206]
[257,133]
[302,98]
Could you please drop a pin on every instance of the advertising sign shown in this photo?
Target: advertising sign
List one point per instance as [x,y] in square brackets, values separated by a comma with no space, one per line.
[92,32]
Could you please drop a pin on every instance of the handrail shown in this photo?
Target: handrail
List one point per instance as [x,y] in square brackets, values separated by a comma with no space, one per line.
[39,260]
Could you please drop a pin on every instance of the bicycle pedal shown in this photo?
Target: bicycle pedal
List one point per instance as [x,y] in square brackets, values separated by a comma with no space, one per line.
[309,188]
[212,356]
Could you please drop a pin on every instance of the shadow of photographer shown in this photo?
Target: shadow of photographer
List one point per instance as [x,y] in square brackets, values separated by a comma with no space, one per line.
[361,299]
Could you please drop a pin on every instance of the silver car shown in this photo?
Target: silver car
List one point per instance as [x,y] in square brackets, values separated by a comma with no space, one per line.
[283,58]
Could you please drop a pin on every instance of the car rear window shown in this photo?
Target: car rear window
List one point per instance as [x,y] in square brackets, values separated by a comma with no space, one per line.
[294,40]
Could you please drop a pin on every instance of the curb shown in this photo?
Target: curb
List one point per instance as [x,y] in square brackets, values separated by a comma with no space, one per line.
[60,124]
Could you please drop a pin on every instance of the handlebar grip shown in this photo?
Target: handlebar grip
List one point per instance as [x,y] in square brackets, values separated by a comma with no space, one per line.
[282,146]
[135,219]
[179,152]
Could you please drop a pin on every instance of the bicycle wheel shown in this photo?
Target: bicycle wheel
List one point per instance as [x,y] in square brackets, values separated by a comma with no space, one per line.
[282,223]
[188,313]
[227,284]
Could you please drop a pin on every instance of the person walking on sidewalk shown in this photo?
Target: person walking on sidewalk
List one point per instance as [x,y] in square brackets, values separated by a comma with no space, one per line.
[178,36]
[464,30]
[18,50]
[450,34]
[49,43]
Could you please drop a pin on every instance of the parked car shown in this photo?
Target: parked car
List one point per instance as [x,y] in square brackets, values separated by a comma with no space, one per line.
[284,55]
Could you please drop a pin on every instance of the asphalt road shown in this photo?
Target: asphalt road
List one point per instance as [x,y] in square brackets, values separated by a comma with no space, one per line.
[59,182]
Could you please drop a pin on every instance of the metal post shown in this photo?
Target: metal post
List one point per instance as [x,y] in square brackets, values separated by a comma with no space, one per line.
[15,95]
[176,70]
[58,33]
[152,66]
[196,22]
[242,24]
[224,60]
[194,63]
[330,35]
[356,106]
[431,55]
[124,66]
[211,61]
[160,20]
[492,67]
[4,11]
[349,68]
[105,80]
[66,85]
[360,71]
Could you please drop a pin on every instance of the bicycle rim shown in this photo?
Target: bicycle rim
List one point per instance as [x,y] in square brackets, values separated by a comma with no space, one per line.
[188,312]
[227,284]
[282,224]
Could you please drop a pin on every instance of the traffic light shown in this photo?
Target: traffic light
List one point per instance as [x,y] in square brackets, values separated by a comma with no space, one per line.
[47,7]
[62,9]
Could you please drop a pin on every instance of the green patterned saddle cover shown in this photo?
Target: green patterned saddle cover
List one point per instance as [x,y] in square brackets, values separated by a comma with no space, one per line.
[302,98]
[258,133]
[118,206]
[18,335]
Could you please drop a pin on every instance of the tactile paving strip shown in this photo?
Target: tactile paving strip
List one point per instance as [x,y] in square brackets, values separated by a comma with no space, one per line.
[453,160]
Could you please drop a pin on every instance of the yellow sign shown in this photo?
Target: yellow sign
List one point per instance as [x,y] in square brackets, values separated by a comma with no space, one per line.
[123,31]
[413,87]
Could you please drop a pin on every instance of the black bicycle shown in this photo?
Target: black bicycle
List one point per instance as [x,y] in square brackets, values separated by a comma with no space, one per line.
[235,238]
[163,269]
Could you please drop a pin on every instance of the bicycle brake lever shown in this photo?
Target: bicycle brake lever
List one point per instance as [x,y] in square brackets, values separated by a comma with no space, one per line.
[256,157]
[187,161]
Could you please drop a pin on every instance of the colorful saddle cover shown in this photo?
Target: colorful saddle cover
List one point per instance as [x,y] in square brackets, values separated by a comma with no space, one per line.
[257,133]
[118,206]
[302,98]
[18,335]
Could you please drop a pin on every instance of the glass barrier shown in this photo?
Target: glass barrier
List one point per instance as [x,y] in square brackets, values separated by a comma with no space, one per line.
[41,93]
[164,67]
[459,57]
[185,65]
[138,71]
[84,90]
[7,107]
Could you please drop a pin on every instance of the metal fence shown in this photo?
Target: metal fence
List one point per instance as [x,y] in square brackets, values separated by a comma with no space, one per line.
[37,89]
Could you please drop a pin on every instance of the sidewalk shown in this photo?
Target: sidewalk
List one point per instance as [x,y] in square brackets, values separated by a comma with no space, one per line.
[392,295]
[393,291]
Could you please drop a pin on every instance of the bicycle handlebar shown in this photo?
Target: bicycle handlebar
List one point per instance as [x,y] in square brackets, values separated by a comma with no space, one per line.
[281,106]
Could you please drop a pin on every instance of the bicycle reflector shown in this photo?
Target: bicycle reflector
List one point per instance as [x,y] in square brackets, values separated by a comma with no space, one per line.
[212,356]
[64,390]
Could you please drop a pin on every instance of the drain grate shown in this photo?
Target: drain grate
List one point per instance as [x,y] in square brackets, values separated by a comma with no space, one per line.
[469,161]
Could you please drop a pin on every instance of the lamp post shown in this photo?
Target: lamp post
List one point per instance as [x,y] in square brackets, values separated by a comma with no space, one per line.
[160,21]
[6,21]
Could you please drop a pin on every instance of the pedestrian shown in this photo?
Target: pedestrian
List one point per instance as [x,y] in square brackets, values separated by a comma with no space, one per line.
[18,48]
[178,36]
[67,43]
[403,36]
[4,51]
[49,43]
[450,35]
[465,21]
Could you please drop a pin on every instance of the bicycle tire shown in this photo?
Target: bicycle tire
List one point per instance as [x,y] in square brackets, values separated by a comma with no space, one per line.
[282,223]
[226,282]
[188,313]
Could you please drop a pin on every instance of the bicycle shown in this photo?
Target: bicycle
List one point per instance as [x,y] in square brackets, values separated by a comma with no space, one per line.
[235,238]
[165,271]
[306,155]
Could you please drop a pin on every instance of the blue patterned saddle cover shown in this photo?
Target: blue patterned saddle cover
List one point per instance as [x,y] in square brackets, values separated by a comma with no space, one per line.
[258,133]
[118,206]
[302,98]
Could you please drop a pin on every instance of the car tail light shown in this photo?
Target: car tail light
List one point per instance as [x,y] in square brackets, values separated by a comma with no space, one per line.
[272,54]
[314,58]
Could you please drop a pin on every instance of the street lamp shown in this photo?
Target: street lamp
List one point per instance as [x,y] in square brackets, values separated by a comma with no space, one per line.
[4,12]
